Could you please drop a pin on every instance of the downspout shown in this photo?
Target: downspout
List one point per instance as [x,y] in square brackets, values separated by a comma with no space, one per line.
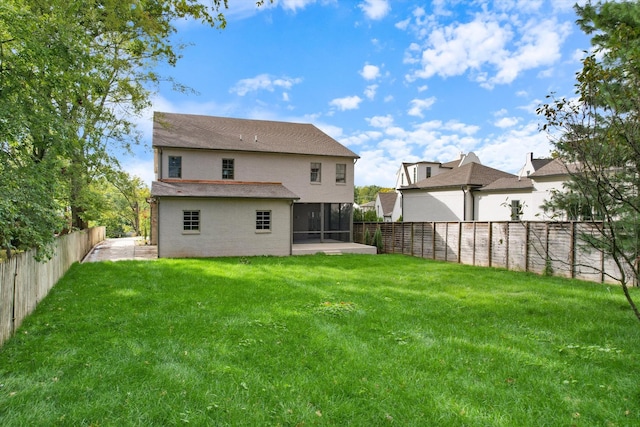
[291,227]
[464,203]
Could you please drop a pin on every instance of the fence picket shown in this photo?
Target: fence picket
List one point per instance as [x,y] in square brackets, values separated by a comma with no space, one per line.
[24,282]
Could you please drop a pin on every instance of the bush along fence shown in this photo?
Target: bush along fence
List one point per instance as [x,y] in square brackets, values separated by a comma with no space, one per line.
[551,248]
[24,282]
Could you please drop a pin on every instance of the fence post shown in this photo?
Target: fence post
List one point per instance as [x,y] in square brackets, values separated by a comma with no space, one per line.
[527,230]
[490,242]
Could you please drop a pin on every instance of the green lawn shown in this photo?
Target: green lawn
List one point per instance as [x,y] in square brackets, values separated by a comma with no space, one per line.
[322,340]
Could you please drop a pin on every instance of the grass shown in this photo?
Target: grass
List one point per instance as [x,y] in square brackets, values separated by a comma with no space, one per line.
[321,340]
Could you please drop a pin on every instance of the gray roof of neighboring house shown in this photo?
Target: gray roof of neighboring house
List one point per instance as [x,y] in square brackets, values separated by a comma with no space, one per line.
[388,201]
[471,174]
[222,133]
[554,168]
[370,204]
[538,163]
[509,183]
[221,189]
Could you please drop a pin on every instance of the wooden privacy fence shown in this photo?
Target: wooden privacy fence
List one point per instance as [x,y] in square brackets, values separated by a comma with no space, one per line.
[24,282]
[556,248]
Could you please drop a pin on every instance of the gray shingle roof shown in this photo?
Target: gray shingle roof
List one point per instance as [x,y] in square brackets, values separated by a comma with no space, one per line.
[388,201]
[222,133]
[510,183]
[221,189]
[554,168]
[471,174]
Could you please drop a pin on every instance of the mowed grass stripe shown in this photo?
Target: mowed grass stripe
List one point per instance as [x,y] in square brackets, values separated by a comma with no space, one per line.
[321,340]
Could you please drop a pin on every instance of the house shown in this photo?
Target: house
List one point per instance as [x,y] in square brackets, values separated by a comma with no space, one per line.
[387,206]
[521,198]
[410,174]
[237,187]
[448,196]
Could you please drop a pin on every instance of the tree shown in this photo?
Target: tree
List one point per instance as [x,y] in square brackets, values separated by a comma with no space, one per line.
[597,135]
[73,77]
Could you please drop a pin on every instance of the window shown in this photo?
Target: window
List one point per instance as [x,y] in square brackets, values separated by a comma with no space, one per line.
[175,167]
[341,173]
[263,220]
[415,174]
[428,171]
[516,210]
[316,169]
[191,221]
[227,168]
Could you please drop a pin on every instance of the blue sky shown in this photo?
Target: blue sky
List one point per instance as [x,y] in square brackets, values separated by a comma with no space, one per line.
[395,81]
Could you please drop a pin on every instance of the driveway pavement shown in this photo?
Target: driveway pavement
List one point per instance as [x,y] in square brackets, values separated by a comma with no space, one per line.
[125,248]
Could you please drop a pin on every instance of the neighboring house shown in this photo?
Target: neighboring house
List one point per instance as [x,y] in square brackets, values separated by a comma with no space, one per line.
[387,206]
[448,196]
[236,187]
[366,207]
[411,173]
[521,198]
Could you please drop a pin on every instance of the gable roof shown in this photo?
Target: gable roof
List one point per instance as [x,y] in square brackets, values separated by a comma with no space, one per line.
[509,183]
[555,168]
[222,133]
[538,163]
[471,174]
[221,189]
[388,201]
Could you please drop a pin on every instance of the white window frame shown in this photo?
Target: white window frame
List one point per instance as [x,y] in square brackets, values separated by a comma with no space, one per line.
[263,221]
[316,173]
[191,221]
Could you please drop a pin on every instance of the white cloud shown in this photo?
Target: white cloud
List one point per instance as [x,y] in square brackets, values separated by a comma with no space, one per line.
[346,103]
[403,25]
[370,92]
[370,72]
[375,9]
[506,122]
[294,4]
[495,48]
[380,121]
[419,105]
[458,47]
[140,167]
[263,82]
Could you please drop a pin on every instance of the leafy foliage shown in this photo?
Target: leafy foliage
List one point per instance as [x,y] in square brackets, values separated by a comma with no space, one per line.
[73,78]
[597,134]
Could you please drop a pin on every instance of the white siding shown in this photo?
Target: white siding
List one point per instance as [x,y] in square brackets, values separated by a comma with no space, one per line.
[489,205]
[293,171]
[227,228]
[433,206]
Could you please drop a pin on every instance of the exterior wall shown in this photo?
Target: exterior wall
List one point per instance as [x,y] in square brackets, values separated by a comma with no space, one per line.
[227,228]
[496,206]
[293,171]
[433,205]
[488,205]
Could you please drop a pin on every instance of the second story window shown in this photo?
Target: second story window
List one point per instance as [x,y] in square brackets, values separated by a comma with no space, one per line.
[316,170]
[175,166]
[341,173]
[428,171]
[227,169]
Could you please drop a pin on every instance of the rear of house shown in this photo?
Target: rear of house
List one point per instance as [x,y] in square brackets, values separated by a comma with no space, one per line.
[236,187]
